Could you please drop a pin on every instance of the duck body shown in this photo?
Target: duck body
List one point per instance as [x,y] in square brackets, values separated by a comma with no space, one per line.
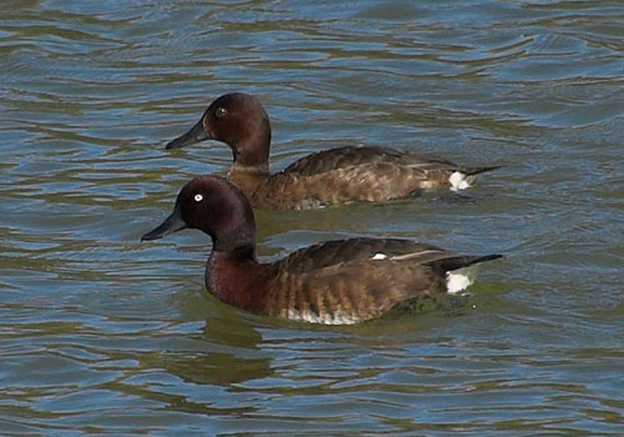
[326,178]
[335,282]
[350,174]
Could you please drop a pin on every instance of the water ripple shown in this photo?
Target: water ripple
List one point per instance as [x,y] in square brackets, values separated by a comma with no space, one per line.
[102,334]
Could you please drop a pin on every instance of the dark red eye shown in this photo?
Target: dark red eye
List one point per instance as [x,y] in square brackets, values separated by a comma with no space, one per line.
[220,112]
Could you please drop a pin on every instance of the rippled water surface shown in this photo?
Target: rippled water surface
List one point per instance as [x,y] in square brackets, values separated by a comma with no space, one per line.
[103,335]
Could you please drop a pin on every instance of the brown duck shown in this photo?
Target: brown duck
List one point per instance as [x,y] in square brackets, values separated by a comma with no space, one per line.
[334,283]
[329,177]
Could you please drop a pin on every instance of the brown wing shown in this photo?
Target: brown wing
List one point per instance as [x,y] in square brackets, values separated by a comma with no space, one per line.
[350,174]
[367,182]
[350,292]
[348,281]
[350,156]
[330,253]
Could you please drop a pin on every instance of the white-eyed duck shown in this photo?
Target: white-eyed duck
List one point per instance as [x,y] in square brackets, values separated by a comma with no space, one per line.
[334,283]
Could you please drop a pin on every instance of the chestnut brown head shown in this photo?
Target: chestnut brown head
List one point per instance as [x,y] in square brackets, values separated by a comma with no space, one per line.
[238,120]
[214,206]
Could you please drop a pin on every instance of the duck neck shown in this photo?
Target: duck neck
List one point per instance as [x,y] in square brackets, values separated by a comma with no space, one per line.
[248,178]
[253,147]
[235,277]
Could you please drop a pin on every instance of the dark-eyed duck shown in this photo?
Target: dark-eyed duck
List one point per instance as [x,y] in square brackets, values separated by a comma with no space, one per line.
[325,178]
[336,282]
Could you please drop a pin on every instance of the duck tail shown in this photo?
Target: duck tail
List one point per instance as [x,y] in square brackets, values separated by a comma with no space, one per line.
[459,262]
[465,177]
[459,272]
[474,171]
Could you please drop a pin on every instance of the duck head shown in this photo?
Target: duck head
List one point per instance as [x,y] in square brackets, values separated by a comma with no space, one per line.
[216,207]
[238,120]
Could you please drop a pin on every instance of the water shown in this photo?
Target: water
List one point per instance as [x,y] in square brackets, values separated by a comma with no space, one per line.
[103,335]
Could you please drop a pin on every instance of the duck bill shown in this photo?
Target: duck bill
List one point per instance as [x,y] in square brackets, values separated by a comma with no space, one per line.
[173,223]
[196,134]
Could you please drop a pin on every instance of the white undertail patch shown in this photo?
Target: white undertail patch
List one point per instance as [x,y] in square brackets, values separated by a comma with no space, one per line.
[460,181]
[378,256]
[460,279]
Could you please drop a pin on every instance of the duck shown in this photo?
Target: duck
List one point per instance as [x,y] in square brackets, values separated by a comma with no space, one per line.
[339,282]
[325,178]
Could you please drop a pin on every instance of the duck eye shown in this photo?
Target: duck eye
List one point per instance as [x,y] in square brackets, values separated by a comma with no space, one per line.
[220,112]
[198,198]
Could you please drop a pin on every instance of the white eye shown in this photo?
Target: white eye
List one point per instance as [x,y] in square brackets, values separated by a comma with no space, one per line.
[199,198]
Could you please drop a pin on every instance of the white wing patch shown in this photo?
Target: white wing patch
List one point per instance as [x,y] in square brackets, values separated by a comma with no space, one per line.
[459,181]
[460,279]
[406,256]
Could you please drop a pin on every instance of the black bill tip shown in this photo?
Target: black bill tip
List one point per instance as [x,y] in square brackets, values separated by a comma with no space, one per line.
[196,134]
[173,223]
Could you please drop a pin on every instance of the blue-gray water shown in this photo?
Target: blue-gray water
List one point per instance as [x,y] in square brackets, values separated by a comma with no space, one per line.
[103,335]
